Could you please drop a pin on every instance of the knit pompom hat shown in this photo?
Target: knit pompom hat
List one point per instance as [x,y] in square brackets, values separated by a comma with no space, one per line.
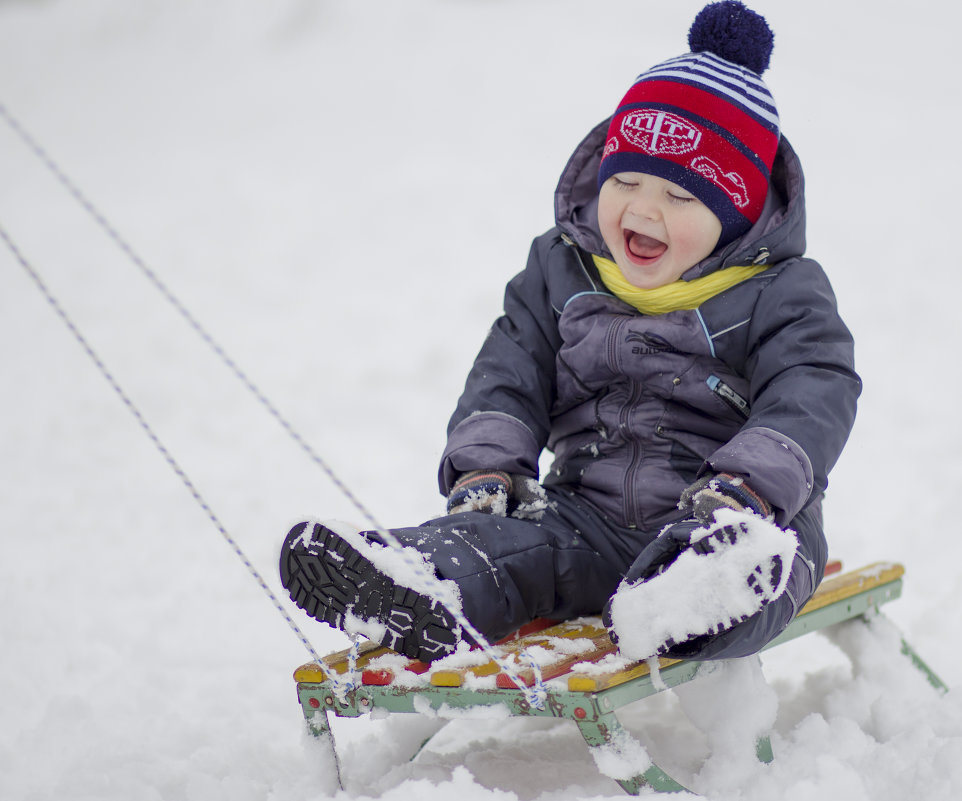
[705,120]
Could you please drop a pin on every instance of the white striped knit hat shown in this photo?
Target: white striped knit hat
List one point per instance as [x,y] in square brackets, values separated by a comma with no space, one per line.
[705,120]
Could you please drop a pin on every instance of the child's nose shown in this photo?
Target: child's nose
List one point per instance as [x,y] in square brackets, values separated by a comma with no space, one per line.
[646,205]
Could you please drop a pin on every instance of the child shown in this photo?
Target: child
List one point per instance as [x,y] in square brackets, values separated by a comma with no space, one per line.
[672,347]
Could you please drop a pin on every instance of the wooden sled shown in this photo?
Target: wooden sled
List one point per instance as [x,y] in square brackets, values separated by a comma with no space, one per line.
[579,687]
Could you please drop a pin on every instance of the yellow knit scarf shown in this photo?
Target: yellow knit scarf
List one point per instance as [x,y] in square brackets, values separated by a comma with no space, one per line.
[676,295]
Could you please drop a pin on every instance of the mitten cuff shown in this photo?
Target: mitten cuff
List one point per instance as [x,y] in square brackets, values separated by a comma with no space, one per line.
[723,490]
[481,490]
[488,480]
[736,493]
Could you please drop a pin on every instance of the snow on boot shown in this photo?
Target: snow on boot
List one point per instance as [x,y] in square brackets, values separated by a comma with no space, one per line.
[358,586]
[728,572]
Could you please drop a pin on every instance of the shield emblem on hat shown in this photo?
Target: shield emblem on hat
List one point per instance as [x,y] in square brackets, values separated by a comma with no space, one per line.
[660,132]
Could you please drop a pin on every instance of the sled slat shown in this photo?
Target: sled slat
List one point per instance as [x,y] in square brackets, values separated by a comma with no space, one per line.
[448,678]
[377,678]
[339,662]
[536,625]
[580,682]
[455,677]
[311,673]
[848,584]
[601,645]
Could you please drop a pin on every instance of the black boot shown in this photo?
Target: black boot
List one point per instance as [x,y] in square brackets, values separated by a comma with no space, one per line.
[330,579]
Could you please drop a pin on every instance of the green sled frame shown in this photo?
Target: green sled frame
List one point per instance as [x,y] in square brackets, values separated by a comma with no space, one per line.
[576,689]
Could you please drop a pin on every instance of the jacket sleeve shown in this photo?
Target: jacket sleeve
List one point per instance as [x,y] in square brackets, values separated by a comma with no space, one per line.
[503,416]
[804,388]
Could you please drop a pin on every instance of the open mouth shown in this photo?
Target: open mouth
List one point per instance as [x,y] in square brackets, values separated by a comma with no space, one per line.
[643,248]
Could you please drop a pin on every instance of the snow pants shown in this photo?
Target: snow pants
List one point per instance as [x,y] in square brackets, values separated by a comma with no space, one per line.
[570,562]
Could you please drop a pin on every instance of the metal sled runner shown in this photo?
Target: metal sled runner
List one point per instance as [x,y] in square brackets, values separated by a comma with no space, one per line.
[586,681]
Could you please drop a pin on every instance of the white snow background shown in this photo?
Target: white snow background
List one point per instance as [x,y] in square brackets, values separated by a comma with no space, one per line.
[339,191]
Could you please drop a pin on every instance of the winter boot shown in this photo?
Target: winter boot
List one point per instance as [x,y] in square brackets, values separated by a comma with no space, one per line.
[337,582]
[694,582]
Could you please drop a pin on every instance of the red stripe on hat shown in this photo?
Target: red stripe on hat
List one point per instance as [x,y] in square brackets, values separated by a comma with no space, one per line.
[710,106]
[696,148]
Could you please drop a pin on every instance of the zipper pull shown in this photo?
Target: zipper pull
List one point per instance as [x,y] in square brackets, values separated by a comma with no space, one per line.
[727,394]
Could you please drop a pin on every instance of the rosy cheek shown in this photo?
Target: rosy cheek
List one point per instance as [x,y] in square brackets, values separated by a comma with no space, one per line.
[611,233]
[684,242]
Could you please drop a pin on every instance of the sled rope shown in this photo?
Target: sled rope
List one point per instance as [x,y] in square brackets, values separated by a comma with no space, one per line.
[343,687]
[152,435]
[535,695]
[181,309]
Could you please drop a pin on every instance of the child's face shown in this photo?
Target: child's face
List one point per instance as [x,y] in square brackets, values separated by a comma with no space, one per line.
[654,229]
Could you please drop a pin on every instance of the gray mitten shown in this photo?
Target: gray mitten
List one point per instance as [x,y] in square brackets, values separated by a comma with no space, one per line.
[722,491]
[498,493]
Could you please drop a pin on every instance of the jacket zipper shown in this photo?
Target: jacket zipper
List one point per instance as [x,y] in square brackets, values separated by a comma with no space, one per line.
[632,448]
[624,417]
[727,394]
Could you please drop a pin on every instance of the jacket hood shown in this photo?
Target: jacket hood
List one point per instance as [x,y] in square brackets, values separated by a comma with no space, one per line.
[779,233]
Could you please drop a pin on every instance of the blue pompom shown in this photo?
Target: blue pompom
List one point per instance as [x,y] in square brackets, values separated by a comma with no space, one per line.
[736,33]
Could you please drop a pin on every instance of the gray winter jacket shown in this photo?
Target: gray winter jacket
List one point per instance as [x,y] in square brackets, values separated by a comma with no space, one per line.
[759,380]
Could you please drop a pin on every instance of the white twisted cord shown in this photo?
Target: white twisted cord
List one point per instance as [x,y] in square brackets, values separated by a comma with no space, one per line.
[533,696]
[151,434]
[343,687]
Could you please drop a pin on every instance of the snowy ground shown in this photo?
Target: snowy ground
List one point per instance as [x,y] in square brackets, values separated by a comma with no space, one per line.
[339,191]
